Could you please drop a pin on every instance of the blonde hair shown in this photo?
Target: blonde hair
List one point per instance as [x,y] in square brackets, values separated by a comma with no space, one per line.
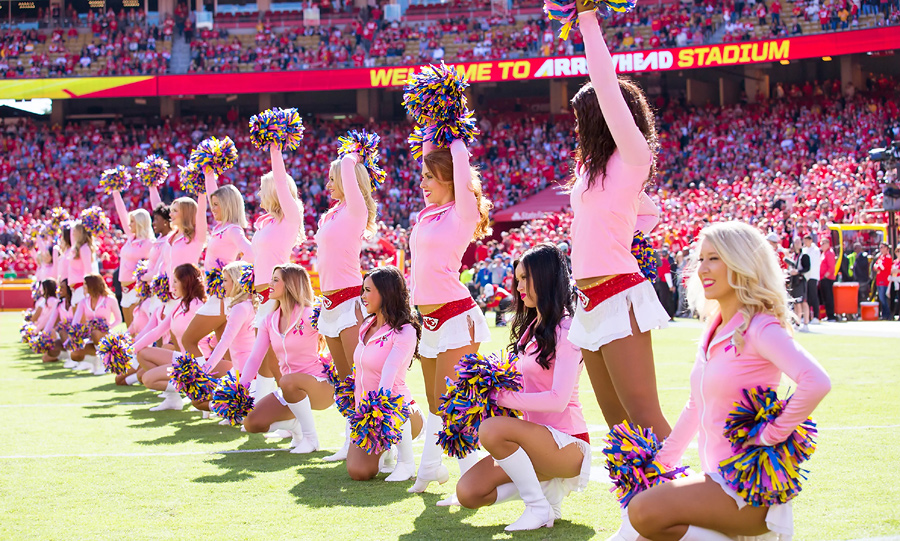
[86,237]
[188,210]
[232,203]
[143,225]
[237,296]
[440,163]
[753,273]
[298,290]
[268,196]
[365,186]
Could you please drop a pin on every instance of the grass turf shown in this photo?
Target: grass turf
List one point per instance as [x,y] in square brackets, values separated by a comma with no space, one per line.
[84,459]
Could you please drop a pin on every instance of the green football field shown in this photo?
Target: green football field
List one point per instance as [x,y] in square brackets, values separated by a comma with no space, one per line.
[84,459]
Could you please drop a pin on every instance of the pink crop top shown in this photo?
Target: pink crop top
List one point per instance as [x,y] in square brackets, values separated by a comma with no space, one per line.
[605,217]
[79,264]
[60,314]
[273,241]
[237,338]
[550,397]
[177,322]
[340,235]
[155,261]
[383,361]
[105,308]
[226,241]
[720,374]
[441,235]
[297,350]
[134,249]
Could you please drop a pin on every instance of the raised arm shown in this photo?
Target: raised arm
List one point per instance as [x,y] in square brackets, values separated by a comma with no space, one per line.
[629,140]
[238,238]
[155,199]
[356,203]
[210,178]
[566,369]
[257,354]
[202,224]
[401,354]
[289,204]
[466,203]
[235,322]
[123,213]
[84,253]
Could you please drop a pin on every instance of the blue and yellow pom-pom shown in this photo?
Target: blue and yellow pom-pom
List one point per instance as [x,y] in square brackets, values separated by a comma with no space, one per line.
[765,475]
[378,422]
[94,220]
[435,92]
[115,179]
[317,313]
[365,145]
[116,350]
[191,178]
[631,460]
[98,324]
[153,171]
[28,315]
[57,216]
[645,256]
[140,270]
[468,401]
[567,14]
[27,332]
[78,335]
[160,287]
[282,127]
[190,378]
[231,400]
[344,399]
[215,285]
[41,343]
[245,283]
[216,154]
[35,293]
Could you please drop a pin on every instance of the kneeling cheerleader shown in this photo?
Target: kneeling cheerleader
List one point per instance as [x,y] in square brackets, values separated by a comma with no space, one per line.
[96,314]
[546,454]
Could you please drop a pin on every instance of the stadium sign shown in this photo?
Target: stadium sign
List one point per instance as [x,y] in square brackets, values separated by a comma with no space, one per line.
[695,57]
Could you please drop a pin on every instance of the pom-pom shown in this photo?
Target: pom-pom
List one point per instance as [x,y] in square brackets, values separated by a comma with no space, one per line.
[231,400]
[317,312]
[153,171]
[28,315]
[344,400]
[283,127]
[191,178]
[36,290]
[115,179]
[116,350]
[378,422]
[142,287]
[631,460]
[567,15]
[98,324]
[78,335]
[190,378]
[215,285]
[160,287]
[94,220]
[216,154]
[57,216]
[434,92]
[645,256]
[365,145]
[765,475]
[469,400]
[41,343]
[416,141]
[28,331]
[245,283]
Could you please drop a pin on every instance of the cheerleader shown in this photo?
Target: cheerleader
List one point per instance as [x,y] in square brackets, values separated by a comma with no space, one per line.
[162,227]
[277,232]
[227,243]
[46,269]
[339,243]
[617,306]
[388,340]
[290,331]
[138,242]
[50,308]
[55,326]
[456,212]
[100,306]
[546,454]
[738,287]
[154,362]
[80,260]
[62,251]
[186,243]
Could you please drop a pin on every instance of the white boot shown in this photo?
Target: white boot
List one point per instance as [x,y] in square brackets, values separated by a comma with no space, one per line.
[506,493]
[264,386]
[171,401]
[431,467]
[538,512]
[281,430]
[626,531]
[131,379]
[67,357]
[406,462]
[84,365]
[465,463]
[303,412]
[555,491]
[388,460]
[345,448]
[97,364]
[696,533]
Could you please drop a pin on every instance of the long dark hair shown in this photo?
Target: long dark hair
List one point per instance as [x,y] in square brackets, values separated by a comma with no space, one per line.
[67,296]
[49,288]
[191,286]
[595,142]
[65,235]
[391,285]
[547,273]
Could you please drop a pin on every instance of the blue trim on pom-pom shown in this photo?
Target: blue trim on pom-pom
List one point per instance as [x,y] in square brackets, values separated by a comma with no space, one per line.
[152,171]
[365,145]
[231,400]
[94,220]
[116,350]
[378,422]
[115,179]
[218,155]
[190,378]
[631,461]
[645,256]
[282,127]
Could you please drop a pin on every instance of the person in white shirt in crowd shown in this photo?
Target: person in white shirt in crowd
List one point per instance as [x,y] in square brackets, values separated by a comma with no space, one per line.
[812,277]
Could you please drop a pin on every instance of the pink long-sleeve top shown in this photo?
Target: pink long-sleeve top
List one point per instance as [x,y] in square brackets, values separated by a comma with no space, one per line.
[226,241]
[648,214]
[238,336]
[381,363]
[441,235]
[60,257]
[62,313]
[105,308]
[340,235]
[297,350]
[550,397]
[178,250]
[79,263]
[719,376]
[50,306]
[273,241]
[605,216]
[134,249]
[177,322]
[155,260]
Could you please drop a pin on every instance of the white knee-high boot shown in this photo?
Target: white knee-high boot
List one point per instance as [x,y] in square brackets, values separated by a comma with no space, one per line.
[406,462]
[626,531]
[431,467]
[345,448]
[538,512]
[171,400]
[303,412]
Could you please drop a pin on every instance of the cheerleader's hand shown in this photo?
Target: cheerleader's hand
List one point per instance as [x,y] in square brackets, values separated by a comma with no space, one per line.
[582,6]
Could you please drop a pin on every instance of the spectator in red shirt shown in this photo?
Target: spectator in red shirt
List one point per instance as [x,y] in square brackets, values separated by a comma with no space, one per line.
[827,273]
[882,273]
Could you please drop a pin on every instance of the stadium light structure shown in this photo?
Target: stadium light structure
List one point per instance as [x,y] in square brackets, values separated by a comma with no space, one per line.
[889,158]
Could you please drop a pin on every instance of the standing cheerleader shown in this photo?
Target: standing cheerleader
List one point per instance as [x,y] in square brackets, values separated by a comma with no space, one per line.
[80,260]
[186,244]
[550,443]
[98,309]
[138,242]
[454,326]
[388,342]
[339,243]
[154,362]
[62,251]
[227,243]
[738,287]
[290,331]
[162,228]
[618,306]
[49,311]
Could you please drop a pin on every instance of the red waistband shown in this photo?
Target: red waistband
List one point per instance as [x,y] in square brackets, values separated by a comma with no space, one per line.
[339,297]
[436,319]
[76,286]
[584,436]
[129,287]
[264,295]
[593,296]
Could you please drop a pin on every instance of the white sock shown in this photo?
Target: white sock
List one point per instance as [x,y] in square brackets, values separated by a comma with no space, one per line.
[404,448]
[170,388]
[131,379]
[696,533]
[282,425]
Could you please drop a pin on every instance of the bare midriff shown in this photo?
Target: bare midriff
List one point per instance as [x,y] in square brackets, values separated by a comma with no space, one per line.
[426,309]
[587,283]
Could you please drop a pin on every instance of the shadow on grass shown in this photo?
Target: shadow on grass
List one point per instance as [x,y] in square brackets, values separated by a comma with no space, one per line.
[251,458]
